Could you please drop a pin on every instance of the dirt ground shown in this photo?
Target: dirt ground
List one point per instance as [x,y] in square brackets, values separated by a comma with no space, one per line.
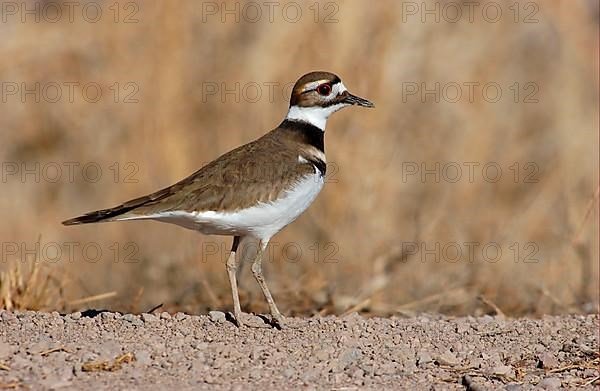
[102,350]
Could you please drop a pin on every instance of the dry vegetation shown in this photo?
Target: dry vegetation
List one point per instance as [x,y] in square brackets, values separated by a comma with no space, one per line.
[367,216]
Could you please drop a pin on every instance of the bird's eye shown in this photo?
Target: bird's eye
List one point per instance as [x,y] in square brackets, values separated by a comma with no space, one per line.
[324,89]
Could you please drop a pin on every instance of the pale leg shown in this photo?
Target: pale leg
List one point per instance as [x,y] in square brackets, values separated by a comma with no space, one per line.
[258,274]
[231,268]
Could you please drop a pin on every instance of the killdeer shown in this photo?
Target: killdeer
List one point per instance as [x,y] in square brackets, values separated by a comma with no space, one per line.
[254,190]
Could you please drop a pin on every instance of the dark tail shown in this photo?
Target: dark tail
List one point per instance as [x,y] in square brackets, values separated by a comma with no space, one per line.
[108,214]
[99,215]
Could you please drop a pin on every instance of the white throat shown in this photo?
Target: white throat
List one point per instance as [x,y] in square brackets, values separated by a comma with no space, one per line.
[315,115]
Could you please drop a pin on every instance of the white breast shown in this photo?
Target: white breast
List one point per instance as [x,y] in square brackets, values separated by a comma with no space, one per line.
[261,221]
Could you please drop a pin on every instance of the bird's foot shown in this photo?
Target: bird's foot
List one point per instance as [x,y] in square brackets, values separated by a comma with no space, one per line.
[280,322]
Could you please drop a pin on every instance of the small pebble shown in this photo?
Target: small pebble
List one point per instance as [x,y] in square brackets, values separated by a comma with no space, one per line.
[502,370]
[133,319]
[547,360]
[180,316]
[217,316]
[448,359]
[550,383]
[149,318]
[75,315]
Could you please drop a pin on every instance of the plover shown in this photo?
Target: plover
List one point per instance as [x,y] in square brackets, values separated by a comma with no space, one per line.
[254,190]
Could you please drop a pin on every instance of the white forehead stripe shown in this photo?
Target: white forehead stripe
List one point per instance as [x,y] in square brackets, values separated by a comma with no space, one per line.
[338,88]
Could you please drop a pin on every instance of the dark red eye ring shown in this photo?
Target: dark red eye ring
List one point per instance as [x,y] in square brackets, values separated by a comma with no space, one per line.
[324,89]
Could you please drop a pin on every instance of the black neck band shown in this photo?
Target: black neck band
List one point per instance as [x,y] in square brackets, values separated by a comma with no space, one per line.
[310,133]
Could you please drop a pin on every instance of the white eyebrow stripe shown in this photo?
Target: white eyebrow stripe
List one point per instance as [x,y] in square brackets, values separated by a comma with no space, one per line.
[314,84]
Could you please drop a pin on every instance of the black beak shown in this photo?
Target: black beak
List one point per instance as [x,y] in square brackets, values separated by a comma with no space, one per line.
[356,100]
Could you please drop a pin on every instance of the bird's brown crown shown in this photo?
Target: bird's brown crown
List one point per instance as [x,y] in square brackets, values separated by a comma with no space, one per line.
[310,89]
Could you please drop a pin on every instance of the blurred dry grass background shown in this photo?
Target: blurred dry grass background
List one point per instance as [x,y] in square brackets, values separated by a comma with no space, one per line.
[366,210]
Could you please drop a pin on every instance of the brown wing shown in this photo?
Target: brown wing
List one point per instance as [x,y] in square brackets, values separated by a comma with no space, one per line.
[256,172]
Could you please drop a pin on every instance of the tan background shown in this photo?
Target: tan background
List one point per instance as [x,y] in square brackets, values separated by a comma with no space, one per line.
[367,213]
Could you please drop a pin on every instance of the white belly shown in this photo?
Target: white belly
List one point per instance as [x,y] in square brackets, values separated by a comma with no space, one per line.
[261,221]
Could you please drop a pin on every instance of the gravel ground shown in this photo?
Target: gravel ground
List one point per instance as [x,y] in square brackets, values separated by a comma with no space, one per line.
[108,350]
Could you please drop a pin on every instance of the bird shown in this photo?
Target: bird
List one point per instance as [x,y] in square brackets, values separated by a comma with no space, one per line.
[255,190]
